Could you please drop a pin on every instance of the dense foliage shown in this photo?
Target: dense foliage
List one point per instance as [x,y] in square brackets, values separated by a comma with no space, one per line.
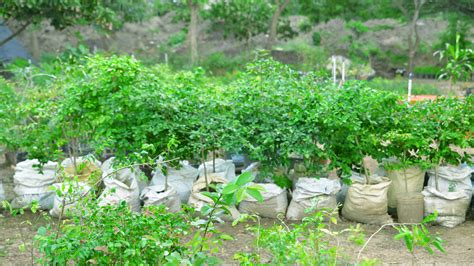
[271,112]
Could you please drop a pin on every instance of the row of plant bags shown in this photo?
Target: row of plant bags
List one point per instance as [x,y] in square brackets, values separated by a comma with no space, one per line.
[449,192]
[33,184]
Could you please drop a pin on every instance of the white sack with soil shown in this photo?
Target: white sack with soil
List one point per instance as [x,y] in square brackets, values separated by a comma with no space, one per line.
[367,203]
[314,194]
[124,174]
[450,194]
[72,197]
[125,188]
[414,177]
[198,200]
[224,168]
[181,179]
[86,167]
[31,184]
[157,195]
[275,202]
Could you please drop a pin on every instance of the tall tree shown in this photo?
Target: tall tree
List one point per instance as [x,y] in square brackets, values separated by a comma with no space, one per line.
[280,6]
[194,6]
[413,34]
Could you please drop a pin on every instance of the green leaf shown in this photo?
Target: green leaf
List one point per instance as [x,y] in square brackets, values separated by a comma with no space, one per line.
[244,179]
[239,196]
[255,193]
[229,189]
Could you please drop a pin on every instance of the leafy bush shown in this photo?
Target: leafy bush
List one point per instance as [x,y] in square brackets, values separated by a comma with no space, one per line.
[316,37]
[114,234]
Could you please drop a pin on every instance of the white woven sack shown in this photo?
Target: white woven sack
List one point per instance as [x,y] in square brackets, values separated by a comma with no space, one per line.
[70,199]
[29,180]
[45,200]
[314,194]
[116,191]
[123,175]
[367,203]
[225,167]
[197,200]
[157,195]
[275,202]
[414,177]
[452,197]
[181,179]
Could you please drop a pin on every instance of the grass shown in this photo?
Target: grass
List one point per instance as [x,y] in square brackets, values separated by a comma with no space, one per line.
[399,86]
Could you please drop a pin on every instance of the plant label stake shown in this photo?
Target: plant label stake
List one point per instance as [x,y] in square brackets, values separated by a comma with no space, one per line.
[343,72]
[410,81]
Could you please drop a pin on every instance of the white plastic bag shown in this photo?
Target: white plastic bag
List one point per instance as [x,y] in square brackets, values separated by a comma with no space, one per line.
[275,202]
[71,199]
[450,194]
[312,193]
[181,179]
[157,195]
[225,168]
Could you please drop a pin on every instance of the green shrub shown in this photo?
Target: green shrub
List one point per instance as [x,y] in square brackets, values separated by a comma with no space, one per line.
[311,58]
[305,25]
[316,37]
[427,70]
[115,235]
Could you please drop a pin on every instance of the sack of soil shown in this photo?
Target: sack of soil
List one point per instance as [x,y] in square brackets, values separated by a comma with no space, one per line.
[367,203]
[116,191]
[275,202]
[197,200]
[224,168]
[314,194]
[124,174]
[449,194]
[157,195]
[404,181]
[33,184]
[71,195]
[180,179]
[84,168]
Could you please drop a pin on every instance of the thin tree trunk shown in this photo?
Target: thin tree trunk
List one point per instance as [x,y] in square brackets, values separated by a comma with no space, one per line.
[35,50]
[192,31]
[413,36]
[20,30]
[274,22]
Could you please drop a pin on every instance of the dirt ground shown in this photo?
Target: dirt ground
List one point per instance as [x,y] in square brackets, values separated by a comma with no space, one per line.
[459,241]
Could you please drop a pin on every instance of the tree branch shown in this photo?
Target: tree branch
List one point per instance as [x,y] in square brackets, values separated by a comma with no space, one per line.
[20,30]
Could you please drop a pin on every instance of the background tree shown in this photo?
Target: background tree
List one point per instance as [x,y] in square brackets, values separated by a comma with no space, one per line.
[413,34]
[107,15]
[280,6]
